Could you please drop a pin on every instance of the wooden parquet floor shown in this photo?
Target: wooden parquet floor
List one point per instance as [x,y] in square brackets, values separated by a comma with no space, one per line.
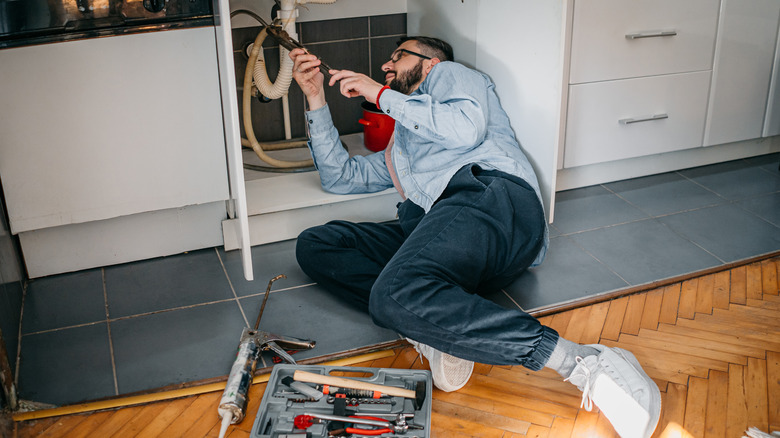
[711,343]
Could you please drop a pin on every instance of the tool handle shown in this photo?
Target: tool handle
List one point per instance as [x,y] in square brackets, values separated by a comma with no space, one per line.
[305,376]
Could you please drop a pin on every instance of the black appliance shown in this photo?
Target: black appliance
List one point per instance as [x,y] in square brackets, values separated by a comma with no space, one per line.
[27,22]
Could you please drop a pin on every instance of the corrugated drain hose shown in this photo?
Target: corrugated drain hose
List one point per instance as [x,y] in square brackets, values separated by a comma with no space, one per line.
[255,67]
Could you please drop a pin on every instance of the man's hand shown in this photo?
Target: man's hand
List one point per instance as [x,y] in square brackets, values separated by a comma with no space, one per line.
[306,72]
[355,84]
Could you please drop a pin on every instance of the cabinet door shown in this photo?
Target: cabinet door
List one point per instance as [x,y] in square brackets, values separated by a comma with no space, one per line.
[232,132]
[744,55]
[772,121]
[107,127]
[615,120]
[617,39]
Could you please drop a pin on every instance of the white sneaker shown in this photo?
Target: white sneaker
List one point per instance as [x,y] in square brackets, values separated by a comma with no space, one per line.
[616,383]
[449,372]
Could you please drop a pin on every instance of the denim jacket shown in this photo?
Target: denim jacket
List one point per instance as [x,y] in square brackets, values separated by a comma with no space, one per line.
[453,119]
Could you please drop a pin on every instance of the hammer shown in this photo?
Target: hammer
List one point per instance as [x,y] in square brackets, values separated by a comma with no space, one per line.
[417,395]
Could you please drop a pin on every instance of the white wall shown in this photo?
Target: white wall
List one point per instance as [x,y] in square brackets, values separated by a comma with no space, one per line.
[520,45]
[314,12]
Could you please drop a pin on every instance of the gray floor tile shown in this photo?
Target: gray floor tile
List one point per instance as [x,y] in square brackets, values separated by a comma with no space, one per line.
[568,273]
[64,300]
[503,299]
[268,261]
[10,303]
[664,194]
[727,231]
[735,180]
[600,243]
[645,251]
[66,366]
[312,313]
[591,207]
[766,207]
[166,283]
[177,346]
[769,162]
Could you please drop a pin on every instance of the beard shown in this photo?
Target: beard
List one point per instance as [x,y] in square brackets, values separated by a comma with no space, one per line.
[406,82]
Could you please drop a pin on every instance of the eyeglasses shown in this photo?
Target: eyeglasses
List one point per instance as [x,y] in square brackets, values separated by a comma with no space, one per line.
[398,54]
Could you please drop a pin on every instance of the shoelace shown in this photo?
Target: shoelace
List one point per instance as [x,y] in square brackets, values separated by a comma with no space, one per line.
[587,403]
[420,354]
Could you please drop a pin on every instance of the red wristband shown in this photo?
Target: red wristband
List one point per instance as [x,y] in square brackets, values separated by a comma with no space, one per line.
[378,95]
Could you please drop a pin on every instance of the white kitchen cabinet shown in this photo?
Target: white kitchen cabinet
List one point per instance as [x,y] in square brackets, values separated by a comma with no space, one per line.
[639,80]
[616,39]
[628,118]
[103,131]
[519,44]
[603,90]
[744,58]
[772,119]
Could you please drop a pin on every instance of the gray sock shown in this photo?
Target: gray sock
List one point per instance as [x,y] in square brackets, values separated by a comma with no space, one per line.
[564,357]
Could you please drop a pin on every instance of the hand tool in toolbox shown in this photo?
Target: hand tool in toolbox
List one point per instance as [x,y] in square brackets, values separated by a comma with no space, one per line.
[399,425]
[232,405]
[417,395]
[404,412]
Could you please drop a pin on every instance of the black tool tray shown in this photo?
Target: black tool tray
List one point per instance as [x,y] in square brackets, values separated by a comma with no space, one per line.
[282,404]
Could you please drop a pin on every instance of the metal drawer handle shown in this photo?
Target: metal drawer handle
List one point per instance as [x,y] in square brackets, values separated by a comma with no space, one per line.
[643,119]
[661,33]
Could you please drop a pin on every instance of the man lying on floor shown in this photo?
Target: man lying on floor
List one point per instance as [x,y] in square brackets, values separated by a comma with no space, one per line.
[471,222]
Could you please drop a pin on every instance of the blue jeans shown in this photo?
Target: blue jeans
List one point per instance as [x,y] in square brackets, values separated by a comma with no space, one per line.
[423,274]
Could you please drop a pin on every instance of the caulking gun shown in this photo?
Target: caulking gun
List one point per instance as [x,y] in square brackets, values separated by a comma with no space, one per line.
[232,406]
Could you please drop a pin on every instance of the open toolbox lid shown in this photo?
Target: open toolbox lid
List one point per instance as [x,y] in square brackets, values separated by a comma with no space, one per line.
[282,405]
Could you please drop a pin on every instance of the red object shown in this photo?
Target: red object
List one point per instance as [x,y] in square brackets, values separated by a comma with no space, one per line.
[367,431]
[303,421]
[378,95]
[377,127]
[355,430]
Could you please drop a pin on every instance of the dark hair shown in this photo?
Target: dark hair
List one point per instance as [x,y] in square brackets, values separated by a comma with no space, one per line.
[433,47]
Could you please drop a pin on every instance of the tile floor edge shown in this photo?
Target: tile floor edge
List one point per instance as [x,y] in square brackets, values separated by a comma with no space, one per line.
[631,290]
[181,390]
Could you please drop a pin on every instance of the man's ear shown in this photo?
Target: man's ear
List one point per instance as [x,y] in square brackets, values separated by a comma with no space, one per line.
[433,62]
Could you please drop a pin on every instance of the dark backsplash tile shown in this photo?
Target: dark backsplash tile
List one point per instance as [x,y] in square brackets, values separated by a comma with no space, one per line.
[350,55]
[393,24]
[343,44]
[381,49]
[334,30]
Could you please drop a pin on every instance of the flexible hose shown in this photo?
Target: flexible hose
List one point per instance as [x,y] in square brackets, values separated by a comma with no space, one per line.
[251,65]
[271,90]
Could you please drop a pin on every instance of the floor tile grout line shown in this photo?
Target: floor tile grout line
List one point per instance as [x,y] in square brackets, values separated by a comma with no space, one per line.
[602,227]
[702,185]
[755,215]
[703,207]
[19,336]
[658,221]
[278,290]
[577,244]
[506,294]
[627,201]
[155,312]
[108,329]
[686,238]
[232,289]
[126,317]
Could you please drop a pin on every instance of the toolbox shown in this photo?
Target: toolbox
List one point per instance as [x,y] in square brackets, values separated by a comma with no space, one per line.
[313,401]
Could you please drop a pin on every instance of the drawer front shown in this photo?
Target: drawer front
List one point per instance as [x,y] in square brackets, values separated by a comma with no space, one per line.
[616,39]
[629,118]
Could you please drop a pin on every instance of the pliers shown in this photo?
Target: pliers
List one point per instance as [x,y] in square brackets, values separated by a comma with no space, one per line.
[355,430]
